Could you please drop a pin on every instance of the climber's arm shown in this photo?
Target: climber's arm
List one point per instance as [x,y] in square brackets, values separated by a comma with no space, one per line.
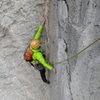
[48,66]
[39,32]
[41,59]
[45,64]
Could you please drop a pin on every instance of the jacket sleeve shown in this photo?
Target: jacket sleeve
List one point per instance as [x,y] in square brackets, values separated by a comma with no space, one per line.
[41,59]
[39,32]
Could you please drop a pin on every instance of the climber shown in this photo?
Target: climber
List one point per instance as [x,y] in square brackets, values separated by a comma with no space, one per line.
[38,60]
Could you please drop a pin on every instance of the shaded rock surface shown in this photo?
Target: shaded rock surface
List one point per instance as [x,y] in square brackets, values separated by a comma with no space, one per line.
[73,24]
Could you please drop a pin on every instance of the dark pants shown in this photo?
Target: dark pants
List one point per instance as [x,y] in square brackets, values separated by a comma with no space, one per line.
[42,72]
[43,76]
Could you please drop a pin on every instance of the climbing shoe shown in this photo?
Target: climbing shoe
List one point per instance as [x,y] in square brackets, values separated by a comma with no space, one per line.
[48,82]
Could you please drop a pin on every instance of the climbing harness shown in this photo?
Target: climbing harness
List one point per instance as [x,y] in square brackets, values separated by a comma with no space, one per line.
[69,58]
[37,66]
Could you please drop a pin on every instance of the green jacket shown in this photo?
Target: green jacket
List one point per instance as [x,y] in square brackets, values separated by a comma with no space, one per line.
[37,55]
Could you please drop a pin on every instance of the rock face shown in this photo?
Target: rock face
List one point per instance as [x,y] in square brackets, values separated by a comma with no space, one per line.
[19,19]
[73,24]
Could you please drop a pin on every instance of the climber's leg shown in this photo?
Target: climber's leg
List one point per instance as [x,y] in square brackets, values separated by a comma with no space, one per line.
[43,76]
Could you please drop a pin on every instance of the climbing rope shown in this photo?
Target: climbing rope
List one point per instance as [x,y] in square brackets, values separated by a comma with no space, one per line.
[69,58]
[46,10]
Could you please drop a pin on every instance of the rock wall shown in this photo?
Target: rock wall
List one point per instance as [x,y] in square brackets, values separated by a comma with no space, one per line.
[19,19]
[73,24]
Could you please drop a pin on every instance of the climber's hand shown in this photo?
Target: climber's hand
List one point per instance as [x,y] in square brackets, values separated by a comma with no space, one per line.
[43,20]
[54,70]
